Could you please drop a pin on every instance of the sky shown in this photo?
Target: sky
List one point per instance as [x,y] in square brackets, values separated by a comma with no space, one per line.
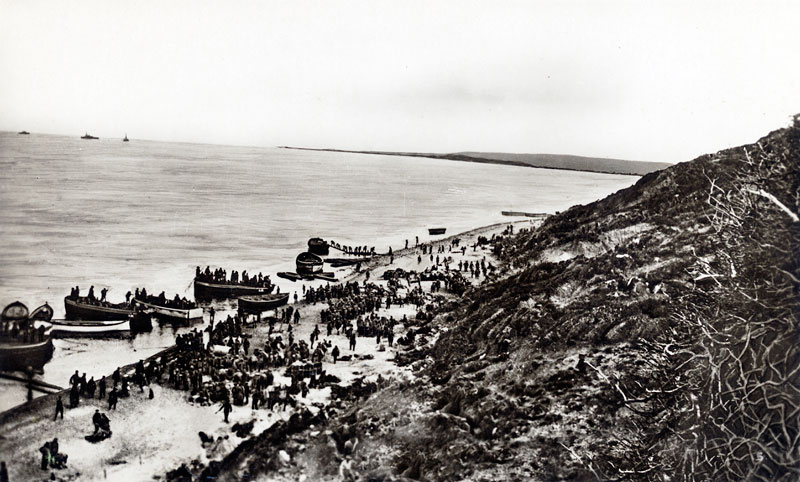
[654,81]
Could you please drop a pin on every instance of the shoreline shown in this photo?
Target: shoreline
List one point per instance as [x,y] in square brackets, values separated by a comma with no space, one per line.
[503,162]
[37,412]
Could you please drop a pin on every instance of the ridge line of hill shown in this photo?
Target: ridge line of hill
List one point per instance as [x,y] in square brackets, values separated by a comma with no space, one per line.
[564,162]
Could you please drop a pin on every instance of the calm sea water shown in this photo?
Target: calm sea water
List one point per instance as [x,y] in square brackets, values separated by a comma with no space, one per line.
[143,213]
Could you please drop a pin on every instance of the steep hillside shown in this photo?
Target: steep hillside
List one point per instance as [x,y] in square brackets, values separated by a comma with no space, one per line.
[652,335]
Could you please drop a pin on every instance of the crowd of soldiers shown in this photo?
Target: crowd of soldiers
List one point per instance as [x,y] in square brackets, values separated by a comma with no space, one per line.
[355,250]
[225,371]
[161,300]
[92,299]
[21,331]
[219,275]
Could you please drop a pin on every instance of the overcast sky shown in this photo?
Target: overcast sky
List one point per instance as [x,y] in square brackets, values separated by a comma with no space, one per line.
[659,81]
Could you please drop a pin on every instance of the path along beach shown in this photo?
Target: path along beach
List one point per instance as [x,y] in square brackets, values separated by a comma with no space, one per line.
[153,436]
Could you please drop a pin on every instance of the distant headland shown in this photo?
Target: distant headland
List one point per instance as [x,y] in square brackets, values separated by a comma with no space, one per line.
[545,161]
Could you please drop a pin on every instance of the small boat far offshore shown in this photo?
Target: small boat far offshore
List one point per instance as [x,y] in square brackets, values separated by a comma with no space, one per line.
[87,136]
[126,138]
[23,133]
[434,231]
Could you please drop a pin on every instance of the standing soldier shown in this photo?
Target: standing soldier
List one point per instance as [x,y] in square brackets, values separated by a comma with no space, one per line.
[59,408]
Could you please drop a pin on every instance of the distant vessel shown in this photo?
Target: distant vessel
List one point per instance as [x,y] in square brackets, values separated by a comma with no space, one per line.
[434,231]
[24,133]
[126,138]
[87,136]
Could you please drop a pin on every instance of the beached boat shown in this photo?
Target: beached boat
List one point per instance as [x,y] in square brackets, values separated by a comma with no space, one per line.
[341,262]
[87,136]
[170,312]
[20,356]
[206,290]
[74,328]
[308,263]
[42,313]
[257,304]
[23,133]
[289,275]
[16,354]
[318,246]
[326,277]
[434,231]
[141,321]
[82,309]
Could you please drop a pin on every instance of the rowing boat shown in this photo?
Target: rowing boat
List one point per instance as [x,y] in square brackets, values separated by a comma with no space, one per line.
[170,312]
[82,309]
[257,304]
[318,246]
[72,328]
[289,275]
[20,356]
[206,290]
[308,263]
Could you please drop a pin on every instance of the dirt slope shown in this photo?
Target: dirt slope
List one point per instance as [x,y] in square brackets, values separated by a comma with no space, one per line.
[651,335]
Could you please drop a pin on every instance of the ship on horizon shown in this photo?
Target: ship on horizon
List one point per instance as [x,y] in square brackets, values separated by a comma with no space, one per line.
[87,136]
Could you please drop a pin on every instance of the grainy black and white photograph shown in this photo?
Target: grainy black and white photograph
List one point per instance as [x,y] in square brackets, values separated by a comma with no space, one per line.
[399,241]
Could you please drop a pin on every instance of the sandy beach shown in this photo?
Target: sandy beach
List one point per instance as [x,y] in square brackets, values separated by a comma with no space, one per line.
[152,437]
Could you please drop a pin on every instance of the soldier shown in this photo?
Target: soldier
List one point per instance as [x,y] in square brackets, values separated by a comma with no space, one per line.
[59,408]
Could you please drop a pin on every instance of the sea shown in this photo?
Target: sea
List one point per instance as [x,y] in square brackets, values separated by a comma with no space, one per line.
[121,215]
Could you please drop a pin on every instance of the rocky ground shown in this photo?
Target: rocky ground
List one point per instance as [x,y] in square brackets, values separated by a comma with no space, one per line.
[651,335]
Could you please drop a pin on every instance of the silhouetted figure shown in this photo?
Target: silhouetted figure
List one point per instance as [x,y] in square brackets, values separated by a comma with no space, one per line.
[59,409]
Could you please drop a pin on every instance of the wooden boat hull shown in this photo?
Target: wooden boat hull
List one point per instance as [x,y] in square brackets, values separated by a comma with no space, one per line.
[434,231]
[68,329]
[289,275]
[19,357]
[141,322]
[308,263]
[170,313]
[318,246]
[75,310]
[258,304]
[204,290]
